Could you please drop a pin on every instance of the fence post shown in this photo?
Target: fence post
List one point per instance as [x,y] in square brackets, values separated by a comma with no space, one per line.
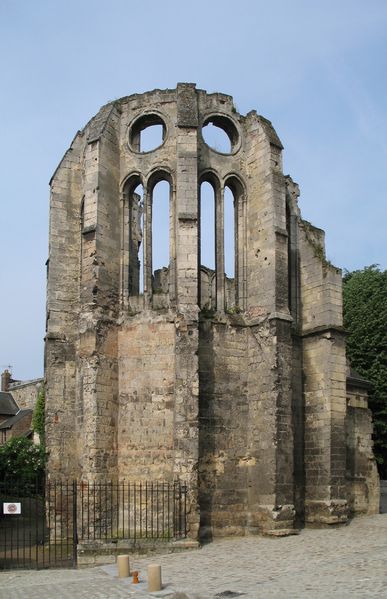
[75,525]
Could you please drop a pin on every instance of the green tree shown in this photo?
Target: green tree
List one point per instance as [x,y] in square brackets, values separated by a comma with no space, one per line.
[365,318]
[20,458]
[38,417]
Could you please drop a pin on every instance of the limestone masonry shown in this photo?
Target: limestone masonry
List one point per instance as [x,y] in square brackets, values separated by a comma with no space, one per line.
[235,385]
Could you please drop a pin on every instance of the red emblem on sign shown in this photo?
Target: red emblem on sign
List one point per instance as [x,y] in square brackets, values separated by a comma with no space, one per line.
[12,508]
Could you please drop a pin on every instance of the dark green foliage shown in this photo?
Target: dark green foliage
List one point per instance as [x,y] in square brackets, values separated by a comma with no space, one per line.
[38,417]
[21,459]
[365,318]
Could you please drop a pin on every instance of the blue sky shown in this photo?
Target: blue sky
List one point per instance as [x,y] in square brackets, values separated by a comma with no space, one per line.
[316,69]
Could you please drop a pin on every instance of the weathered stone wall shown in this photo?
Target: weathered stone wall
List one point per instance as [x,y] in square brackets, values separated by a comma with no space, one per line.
[25,393]
[363,487]
[63,270]
[324,367]
[246,433]
[316,308]
[224,457]
[234,386]
[145,442]
[383,496]
[271,485]
[325,411]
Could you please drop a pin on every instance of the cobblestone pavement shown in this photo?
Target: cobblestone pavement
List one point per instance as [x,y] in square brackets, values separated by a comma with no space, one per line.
[347,562]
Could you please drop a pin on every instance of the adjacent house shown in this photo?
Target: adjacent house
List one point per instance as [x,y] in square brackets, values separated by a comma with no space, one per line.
[14,422]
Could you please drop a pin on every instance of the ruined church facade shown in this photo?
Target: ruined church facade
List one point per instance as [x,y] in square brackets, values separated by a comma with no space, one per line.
[236,386]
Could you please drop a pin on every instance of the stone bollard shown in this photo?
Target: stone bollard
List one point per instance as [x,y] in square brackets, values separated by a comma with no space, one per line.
[123,566]
[154,578]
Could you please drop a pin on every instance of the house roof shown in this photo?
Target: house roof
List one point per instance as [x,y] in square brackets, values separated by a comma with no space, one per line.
[354,379]
[9,423]
[8,406]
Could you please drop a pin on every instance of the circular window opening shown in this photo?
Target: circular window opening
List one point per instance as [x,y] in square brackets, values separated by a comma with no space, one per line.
[220,134]
[147,133]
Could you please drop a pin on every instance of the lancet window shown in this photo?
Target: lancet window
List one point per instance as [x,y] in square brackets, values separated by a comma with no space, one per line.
[147,240]
[222,253]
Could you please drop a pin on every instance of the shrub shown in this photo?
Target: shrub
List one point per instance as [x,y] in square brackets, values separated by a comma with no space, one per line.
[21,459]
[38,417]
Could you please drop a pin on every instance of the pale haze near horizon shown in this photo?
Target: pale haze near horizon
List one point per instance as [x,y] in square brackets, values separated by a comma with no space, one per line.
[317,70]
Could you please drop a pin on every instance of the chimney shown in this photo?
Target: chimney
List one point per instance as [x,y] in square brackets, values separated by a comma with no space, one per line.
[5,380]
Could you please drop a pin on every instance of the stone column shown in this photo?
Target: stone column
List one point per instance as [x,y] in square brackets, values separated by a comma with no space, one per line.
[219,241]
[186,433]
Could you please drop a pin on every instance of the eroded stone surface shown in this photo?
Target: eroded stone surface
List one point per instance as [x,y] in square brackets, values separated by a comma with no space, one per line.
[235,386]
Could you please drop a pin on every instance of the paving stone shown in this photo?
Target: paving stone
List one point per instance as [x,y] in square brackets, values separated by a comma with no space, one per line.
[348,562]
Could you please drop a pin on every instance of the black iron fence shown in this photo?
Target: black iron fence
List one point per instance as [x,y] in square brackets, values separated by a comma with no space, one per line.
[41,523]
[28,515]
[131,510]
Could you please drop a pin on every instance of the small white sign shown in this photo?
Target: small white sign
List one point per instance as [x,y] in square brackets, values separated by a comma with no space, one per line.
[12,508]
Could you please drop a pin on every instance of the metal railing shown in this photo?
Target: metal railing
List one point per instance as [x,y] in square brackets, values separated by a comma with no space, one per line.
[57,515]
[131,510]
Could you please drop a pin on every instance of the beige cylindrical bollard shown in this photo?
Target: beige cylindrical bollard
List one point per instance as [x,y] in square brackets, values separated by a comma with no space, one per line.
[154,578]
[123,566]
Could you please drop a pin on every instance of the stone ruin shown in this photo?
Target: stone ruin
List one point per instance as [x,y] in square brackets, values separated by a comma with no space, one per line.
[237,385]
